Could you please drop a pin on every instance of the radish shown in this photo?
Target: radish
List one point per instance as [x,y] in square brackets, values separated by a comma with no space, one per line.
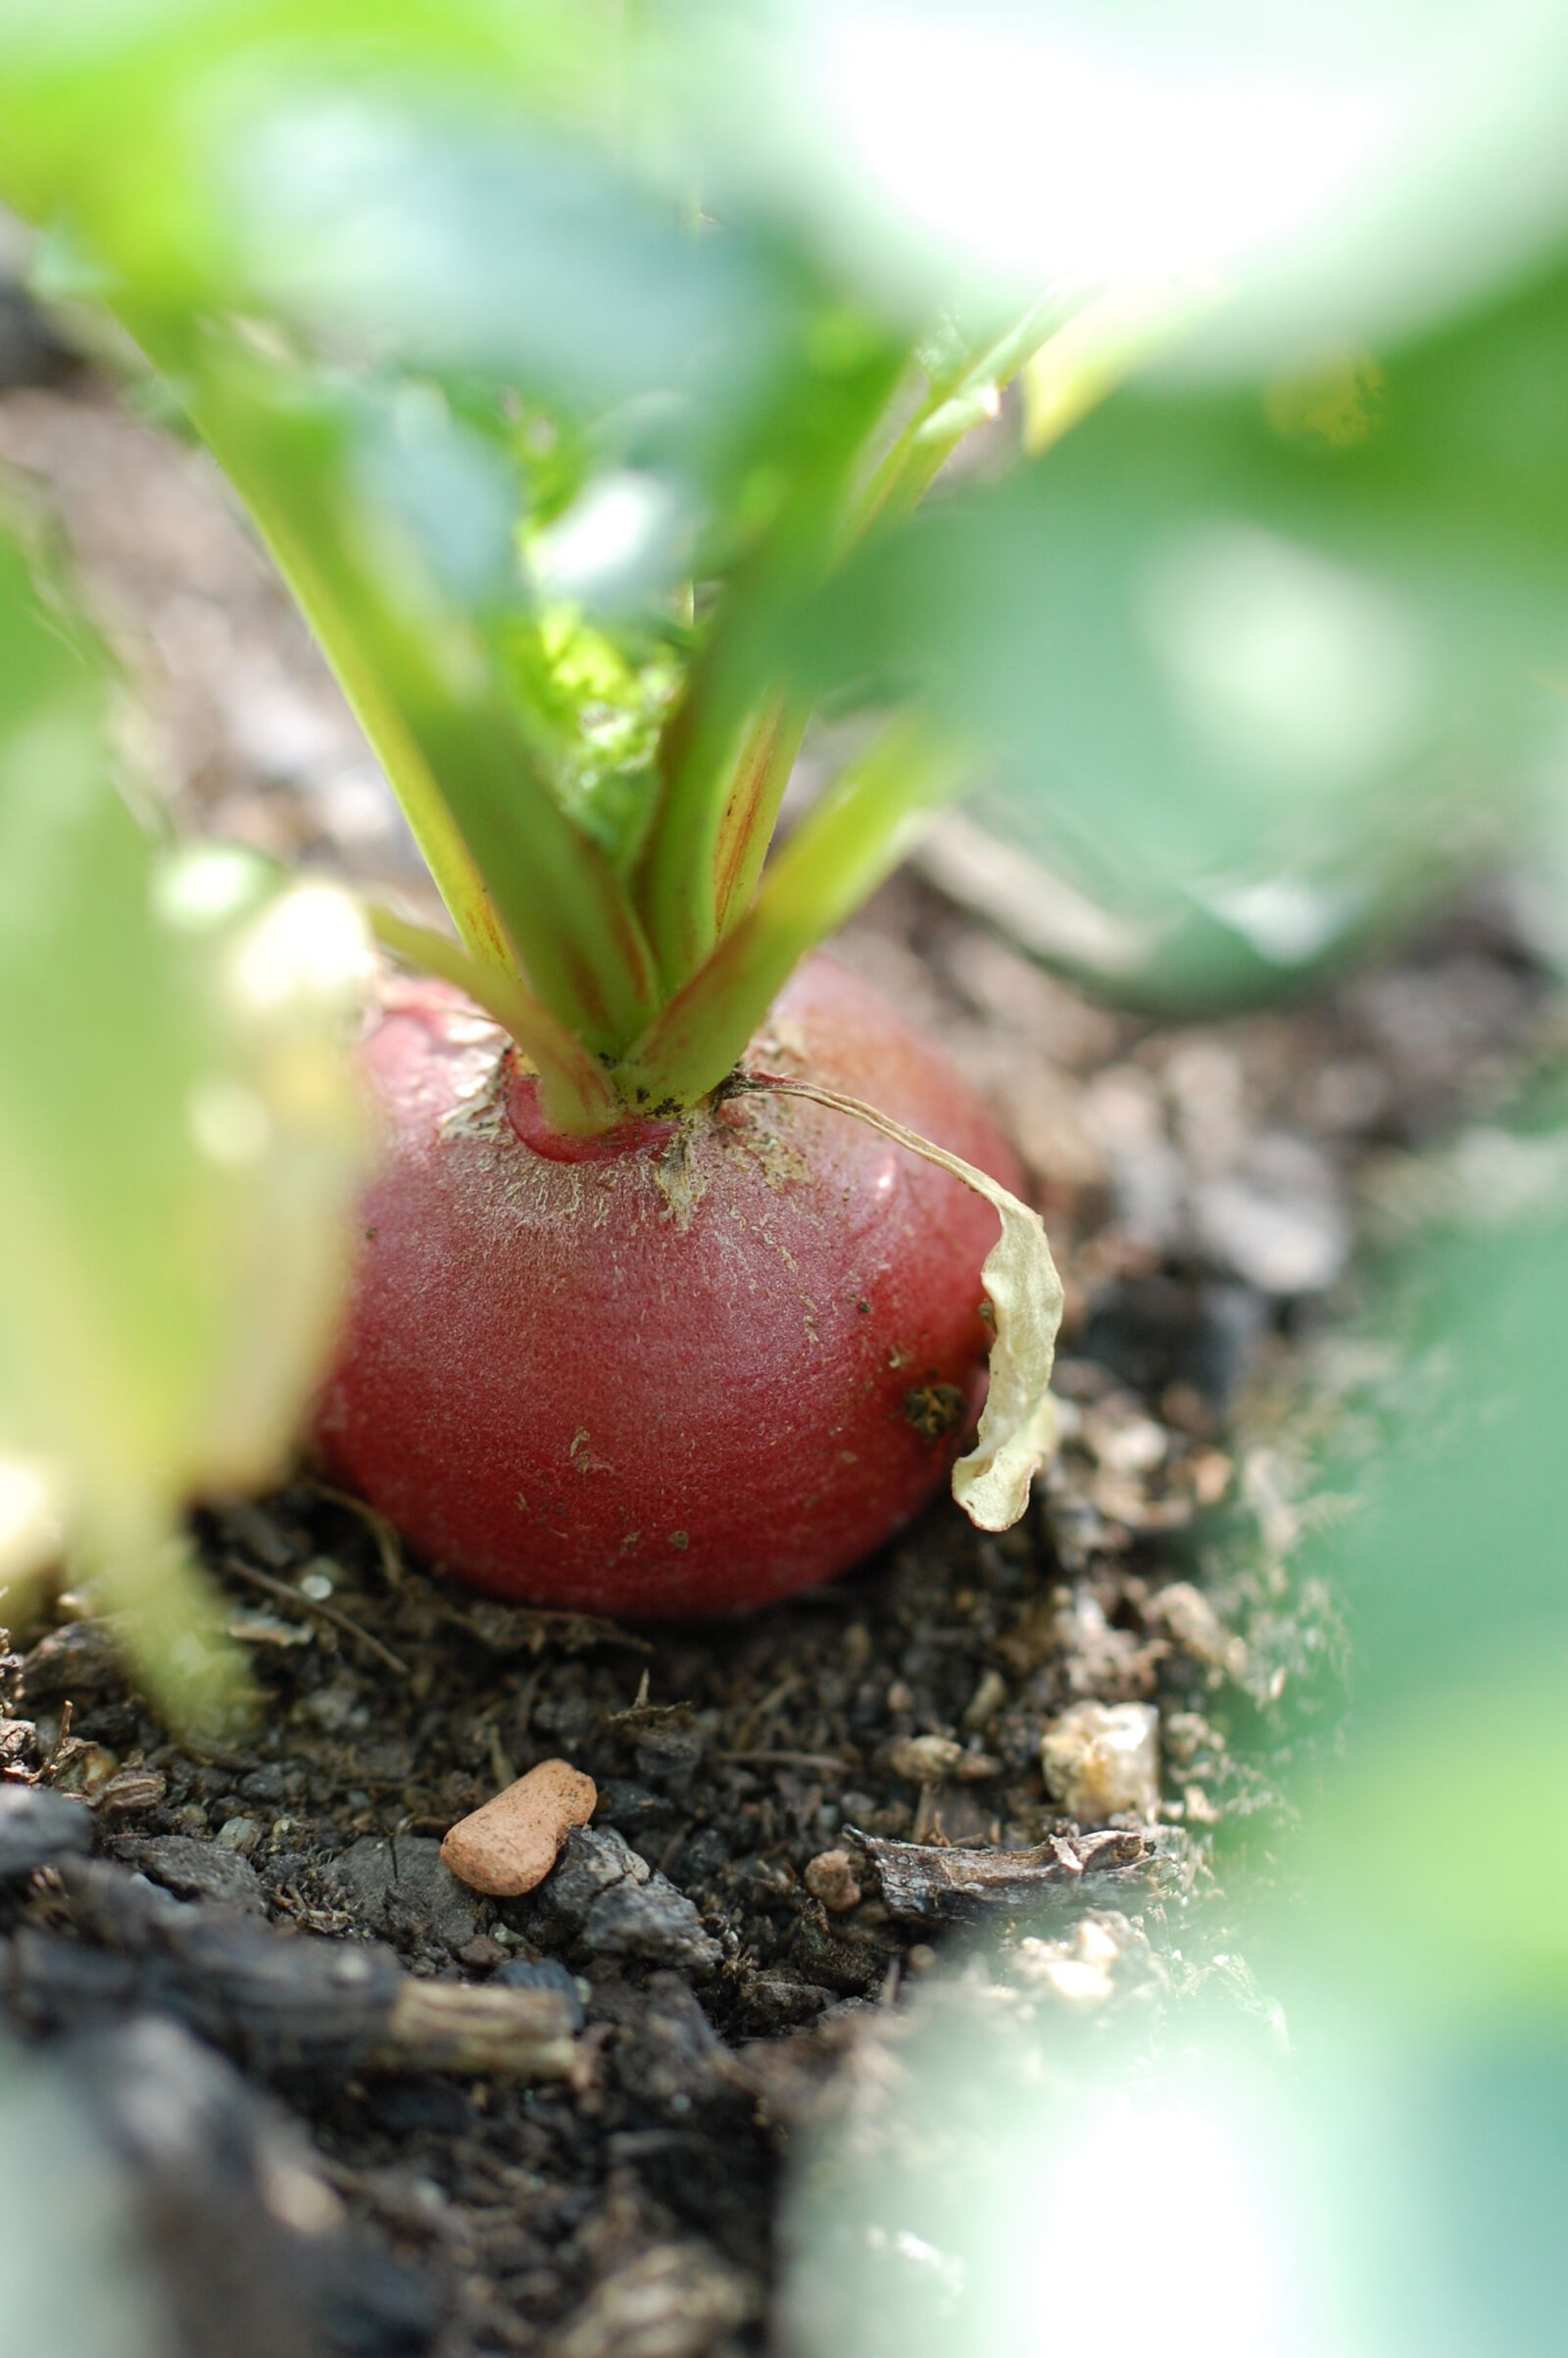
[685,1366]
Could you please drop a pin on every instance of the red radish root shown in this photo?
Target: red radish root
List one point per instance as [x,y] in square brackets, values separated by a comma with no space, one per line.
[680,1369]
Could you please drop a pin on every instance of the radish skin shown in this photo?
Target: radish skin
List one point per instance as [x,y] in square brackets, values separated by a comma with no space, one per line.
[681,1369]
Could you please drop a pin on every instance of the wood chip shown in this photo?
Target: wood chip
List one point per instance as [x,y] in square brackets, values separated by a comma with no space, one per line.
[924,1884]
[288,2003]
[510,1845]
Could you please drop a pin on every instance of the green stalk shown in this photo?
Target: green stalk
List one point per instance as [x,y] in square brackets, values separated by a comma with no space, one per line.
[279,517]
[529,893]
[928,441]
[845,847]
[572,1087]
[727,761]
[711,737]
[752,811]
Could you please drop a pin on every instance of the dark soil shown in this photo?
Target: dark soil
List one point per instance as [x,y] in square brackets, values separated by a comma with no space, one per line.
[307,2181]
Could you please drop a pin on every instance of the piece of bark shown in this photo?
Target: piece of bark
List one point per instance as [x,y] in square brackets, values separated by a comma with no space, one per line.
[508,1847]
[925,1882]
[290,2003]
[226,2204]
[495,2030]
[38,1826]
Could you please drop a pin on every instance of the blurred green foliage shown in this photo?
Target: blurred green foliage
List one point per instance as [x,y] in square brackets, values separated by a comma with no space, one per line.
[1310,630]
[1263,651]
[75,2274]
[179,1149]
[1349,2129]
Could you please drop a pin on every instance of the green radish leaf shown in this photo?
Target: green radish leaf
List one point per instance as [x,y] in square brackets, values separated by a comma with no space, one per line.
[179,1149]
[402,207]
[418,258]
[593,702]
[1433,1762]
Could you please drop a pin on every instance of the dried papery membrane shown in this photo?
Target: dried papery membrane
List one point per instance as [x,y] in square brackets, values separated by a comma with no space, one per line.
[1018,1423]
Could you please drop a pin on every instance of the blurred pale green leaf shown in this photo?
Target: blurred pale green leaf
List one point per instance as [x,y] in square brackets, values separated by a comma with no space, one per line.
[77,2274]
[1338,172]
[1316,631]
[1021,2175]
[433,277]
[400,187]
[1436,1849]
[180,1144]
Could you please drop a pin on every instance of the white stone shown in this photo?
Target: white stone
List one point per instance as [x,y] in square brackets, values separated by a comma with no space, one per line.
[1102,1760]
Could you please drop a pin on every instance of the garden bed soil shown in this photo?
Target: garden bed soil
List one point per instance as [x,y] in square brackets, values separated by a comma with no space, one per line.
[359,2108]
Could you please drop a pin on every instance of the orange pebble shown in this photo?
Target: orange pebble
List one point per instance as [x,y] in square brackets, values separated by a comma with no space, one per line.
[512,1843]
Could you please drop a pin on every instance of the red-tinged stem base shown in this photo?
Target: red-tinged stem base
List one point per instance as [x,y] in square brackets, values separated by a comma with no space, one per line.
[680,1368]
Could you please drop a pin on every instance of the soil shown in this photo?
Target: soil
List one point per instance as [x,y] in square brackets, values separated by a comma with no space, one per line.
[792,1807]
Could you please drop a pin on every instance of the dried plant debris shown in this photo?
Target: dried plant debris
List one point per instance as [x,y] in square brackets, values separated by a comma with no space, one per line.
[288,2004]
[409,2115]
[922,1883]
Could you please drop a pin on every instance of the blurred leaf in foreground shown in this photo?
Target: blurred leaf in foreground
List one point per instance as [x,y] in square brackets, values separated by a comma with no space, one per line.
[1338,172]
[179,1149]
[74,2277]
[1072,2164]
[1263,656]
[1438,1851]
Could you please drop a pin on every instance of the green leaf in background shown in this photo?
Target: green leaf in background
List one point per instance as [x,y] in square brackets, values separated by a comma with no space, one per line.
[179,1148]
[404,244]
[1454,1578]
[1049,2179]
[1314,631]
[388,188]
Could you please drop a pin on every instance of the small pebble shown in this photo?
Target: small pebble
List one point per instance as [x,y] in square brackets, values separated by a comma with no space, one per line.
[132,1788]
[986,1701]
[480,1953]
[926,1759]
[1198,1629]
[1123,1443]
[510,1845]
[1080,1968]
[1101,1759]
[89,1771]
[830,1878]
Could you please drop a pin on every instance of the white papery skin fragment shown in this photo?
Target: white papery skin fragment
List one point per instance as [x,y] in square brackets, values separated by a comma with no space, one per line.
[1018,1423]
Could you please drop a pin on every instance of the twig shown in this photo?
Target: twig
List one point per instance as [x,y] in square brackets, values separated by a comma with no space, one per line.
[388,1545]
[828,1761]
[769,1704]
[452,2027]
[329,1614]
